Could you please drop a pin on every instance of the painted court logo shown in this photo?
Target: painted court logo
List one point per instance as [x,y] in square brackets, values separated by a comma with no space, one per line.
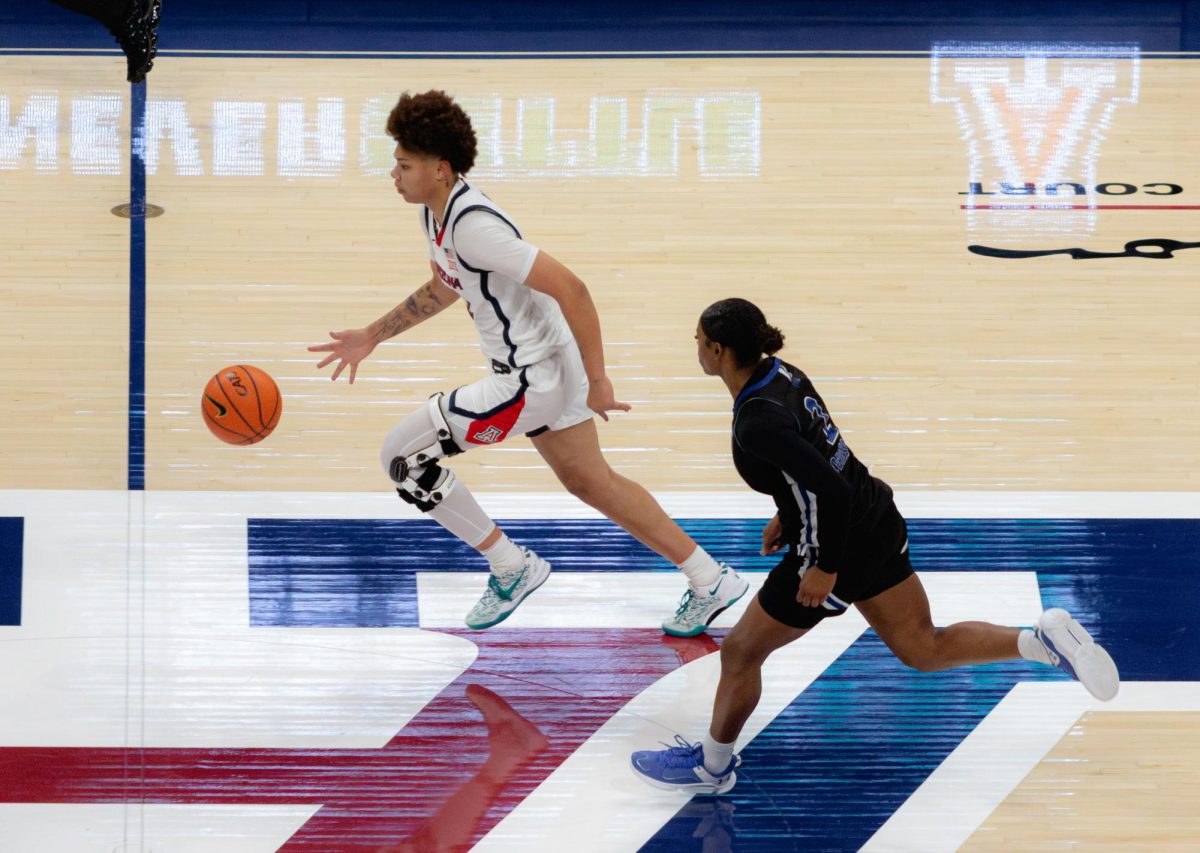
[1034,117]
[1154,248]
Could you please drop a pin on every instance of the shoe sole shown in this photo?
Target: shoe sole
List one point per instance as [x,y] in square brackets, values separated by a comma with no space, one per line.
[528,592]
[1094,667]
[700,629]
[691,788]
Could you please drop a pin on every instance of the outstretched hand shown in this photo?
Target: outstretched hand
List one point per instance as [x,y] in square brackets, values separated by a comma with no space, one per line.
[350,346]
[600,398]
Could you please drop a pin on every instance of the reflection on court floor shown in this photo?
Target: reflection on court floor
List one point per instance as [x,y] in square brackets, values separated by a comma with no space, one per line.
[329,135]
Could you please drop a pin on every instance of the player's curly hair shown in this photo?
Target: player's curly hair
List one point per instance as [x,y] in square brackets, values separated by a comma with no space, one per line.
[741,325]
[430,123]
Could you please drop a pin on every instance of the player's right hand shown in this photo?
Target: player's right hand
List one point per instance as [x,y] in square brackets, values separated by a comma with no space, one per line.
[600,398]
[350,346]
[772,536]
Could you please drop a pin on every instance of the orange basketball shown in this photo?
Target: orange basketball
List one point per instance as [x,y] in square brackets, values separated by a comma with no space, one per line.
[241,404]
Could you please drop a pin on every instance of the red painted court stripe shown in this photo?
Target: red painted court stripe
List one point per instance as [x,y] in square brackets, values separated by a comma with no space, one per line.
[465,761]
[1079,207]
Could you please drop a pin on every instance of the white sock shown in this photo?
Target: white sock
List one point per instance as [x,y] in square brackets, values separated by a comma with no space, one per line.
[701,570]
[1031,647]
[504,556]
[717,755]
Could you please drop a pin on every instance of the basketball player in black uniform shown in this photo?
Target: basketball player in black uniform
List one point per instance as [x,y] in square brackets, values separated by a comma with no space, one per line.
[846,544]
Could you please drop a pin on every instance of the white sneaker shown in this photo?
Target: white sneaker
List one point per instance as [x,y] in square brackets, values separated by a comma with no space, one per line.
[697,610]
[506,590]
[1073,650]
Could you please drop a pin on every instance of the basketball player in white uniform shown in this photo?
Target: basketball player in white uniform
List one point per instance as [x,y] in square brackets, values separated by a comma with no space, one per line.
[540,335]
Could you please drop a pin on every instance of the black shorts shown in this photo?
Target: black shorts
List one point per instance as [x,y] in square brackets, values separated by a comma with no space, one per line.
[865,577]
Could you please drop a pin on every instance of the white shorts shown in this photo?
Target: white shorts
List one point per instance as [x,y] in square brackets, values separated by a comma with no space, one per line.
[549,395]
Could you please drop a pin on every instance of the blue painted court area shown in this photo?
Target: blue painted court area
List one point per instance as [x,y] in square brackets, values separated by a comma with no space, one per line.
[835,765]
[1118,575]
[12,546]
[363,573]
[821,784]
[831,769]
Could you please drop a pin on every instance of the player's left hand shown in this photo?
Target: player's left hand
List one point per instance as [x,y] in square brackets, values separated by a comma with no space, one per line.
[600,398]
[815,587]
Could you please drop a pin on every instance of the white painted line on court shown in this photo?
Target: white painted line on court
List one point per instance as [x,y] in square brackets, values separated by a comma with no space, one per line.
[593,802]
[207,828]
[733,503]
[990,763]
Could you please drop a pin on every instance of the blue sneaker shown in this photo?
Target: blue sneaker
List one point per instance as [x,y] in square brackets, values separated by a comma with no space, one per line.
[697,610]
[1073,650]
[681,768]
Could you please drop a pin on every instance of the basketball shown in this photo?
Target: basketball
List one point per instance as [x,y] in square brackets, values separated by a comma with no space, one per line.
[241,404]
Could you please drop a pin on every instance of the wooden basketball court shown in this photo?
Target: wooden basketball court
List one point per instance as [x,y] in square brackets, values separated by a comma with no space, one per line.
[840,193]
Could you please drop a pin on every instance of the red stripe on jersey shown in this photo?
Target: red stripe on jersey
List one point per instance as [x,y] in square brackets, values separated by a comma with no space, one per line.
[496,428]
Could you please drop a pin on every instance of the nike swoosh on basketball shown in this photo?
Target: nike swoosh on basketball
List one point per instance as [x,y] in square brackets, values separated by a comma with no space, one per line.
[222,410]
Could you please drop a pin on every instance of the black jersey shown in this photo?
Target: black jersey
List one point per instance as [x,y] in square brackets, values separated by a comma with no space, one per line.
[786,445]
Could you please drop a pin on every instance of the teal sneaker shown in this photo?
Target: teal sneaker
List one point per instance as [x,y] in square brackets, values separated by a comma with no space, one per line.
[697,610]
[505,591]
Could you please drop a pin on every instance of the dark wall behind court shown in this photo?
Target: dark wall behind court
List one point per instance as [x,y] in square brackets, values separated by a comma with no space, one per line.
[621,25]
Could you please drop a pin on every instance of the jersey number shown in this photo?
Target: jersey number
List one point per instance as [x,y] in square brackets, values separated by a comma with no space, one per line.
[814,409]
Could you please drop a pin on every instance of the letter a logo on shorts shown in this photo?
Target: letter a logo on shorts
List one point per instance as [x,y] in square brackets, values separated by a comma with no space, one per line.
[489,436]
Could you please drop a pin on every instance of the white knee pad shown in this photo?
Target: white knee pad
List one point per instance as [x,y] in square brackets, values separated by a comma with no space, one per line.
[411,453]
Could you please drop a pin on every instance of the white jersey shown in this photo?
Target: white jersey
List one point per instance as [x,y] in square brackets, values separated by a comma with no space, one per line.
[479,253]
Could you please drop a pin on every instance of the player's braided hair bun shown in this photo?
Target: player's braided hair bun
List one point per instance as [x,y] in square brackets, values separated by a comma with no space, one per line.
[740,325]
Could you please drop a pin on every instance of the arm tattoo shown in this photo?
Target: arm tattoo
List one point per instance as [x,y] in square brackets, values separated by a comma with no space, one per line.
[394,323]
[424,303]
[427,309]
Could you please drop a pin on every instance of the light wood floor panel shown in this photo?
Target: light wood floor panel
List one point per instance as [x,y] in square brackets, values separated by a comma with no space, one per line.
[945,369]
[1116,781]
[65,261]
